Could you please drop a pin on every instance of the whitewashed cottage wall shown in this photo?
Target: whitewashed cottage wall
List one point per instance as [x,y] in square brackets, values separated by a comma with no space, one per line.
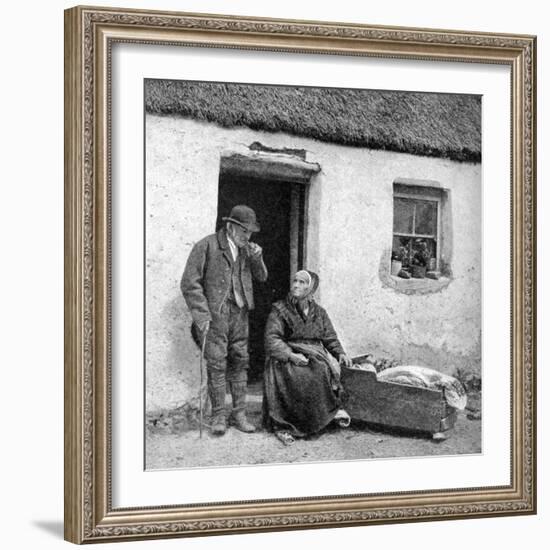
[349,232]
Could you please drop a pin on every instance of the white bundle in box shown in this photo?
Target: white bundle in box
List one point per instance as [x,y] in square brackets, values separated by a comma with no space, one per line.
[424,377]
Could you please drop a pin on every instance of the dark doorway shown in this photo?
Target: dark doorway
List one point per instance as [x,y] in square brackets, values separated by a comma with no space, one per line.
[275,205]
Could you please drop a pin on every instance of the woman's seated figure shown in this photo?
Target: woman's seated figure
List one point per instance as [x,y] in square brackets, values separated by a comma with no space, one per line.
[302,391]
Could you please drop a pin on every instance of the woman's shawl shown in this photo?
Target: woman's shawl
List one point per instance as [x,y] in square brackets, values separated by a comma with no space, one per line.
[285,325]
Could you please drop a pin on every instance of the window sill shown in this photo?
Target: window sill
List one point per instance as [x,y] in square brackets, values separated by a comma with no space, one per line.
[416,286]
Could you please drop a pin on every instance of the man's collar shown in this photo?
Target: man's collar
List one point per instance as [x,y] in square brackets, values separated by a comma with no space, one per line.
[233,247]
[230,241]
[222,238]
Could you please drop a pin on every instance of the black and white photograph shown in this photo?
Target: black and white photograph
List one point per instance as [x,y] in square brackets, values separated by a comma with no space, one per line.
[312,277]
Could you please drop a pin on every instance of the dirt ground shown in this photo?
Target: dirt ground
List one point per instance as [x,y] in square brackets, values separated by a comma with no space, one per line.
[359,441]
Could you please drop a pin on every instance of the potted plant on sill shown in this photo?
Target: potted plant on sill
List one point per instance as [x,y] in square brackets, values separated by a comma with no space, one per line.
[397,258]
[421,258]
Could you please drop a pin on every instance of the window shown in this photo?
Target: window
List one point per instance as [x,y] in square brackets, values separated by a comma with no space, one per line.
[416,228]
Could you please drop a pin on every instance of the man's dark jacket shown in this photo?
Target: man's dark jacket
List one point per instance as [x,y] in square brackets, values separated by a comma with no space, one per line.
[206,281]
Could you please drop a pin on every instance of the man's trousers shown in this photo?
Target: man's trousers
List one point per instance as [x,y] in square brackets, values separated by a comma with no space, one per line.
[226,354]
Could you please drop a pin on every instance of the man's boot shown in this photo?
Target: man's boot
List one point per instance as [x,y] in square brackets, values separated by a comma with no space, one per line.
[238,415]
[217,398]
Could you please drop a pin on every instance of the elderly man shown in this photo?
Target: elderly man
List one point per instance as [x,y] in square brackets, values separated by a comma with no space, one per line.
[217,287]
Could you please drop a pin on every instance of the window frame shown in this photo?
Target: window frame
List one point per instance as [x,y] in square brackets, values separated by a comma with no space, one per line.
[426,197]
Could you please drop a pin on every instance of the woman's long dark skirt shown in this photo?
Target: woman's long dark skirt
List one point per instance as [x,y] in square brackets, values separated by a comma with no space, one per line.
[299,399]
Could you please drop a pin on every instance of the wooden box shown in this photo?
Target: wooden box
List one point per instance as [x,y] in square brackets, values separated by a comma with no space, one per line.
[396,405]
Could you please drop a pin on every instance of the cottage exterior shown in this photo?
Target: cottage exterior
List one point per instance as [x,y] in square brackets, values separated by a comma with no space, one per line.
[335,177]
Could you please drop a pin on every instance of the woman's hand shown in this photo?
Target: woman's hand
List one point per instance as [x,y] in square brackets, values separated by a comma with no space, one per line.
[344,360]
[299,359]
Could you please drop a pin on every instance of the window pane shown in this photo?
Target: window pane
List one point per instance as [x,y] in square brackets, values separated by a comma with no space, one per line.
[426,218]
[403,210]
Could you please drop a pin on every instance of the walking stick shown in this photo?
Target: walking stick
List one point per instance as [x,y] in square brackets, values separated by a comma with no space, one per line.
[203,345]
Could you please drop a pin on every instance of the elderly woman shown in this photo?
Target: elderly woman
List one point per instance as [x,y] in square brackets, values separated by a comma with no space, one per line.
[302,391]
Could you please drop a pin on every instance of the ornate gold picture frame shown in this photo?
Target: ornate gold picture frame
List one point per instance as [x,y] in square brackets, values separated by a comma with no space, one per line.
[90,35]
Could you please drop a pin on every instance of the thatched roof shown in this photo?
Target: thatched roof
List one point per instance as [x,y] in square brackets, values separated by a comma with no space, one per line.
[430,124]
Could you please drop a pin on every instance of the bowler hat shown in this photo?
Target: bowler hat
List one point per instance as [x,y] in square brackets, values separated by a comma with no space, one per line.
[244,216]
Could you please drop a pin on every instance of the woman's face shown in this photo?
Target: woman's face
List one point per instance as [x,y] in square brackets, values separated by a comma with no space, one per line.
[300,285]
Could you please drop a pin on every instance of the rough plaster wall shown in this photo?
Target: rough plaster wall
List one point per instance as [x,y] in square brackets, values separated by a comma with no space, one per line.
[350,212]
[441,329]
[181,206]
